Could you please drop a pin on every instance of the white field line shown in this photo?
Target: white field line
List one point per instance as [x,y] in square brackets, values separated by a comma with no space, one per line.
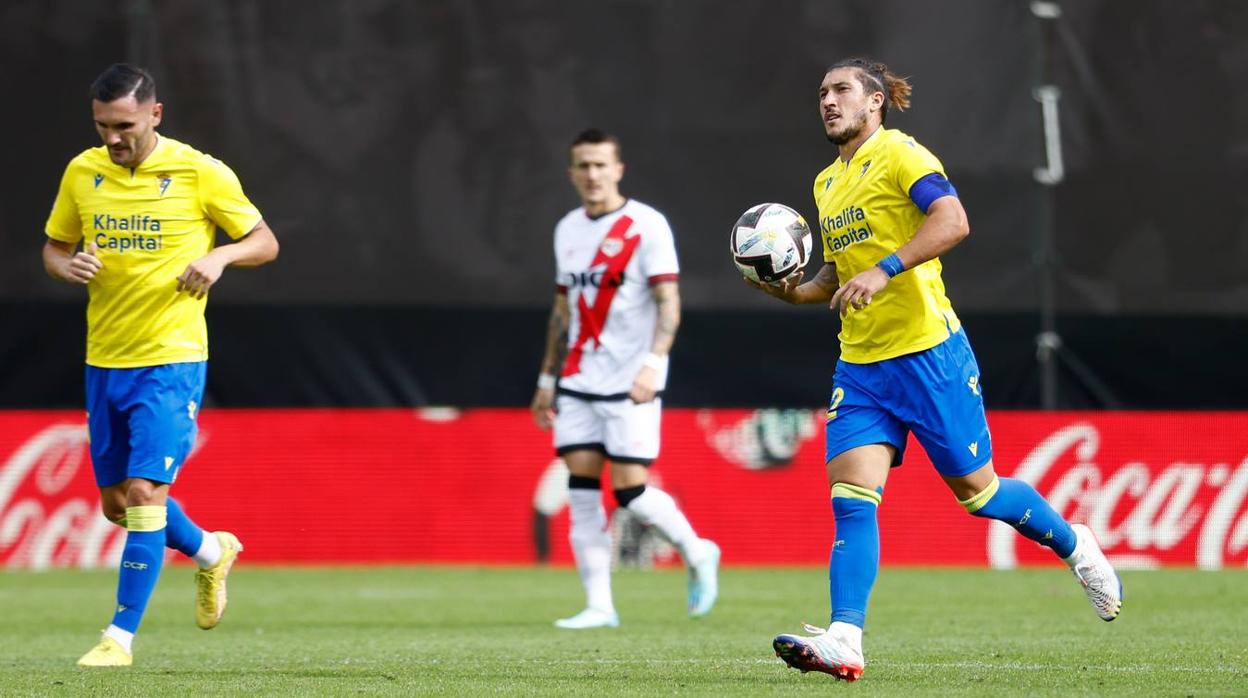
[1091,669]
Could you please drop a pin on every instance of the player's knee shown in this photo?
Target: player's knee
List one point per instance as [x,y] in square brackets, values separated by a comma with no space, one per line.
[141,492]
[115,512]
[974,505]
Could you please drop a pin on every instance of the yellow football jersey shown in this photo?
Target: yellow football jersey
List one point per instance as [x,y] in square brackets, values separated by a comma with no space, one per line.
[149,223]
[865,214]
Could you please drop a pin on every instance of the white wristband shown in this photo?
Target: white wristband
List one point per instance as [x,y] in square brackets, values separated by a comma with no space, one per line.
[658,363]
[546,381]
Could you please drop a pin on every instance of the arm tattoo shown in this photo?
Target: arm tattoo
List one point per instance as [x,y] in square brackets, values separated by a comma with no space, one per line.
[667,298]
[556,338]
[826,278]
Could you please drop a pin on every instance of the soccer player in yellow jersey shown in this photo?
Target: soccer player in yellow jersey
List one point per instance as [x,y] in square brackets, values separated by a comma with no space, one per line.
[886,214]
[145,210]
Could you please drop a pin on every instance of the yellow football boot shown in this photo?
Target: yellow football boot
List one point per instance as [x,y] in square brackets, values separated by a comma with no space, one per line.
[210,596]
[108,652]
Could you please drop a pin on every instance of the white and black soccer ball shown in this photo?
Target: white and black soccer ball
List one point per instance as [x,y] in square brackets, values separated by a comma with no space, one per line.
[769,242]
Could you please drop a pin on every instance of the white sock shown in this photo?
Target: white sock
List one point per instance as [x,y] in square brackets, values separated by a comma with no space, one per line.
[209,552]
[591,544]
[849,631]
[123,637]
[657,508]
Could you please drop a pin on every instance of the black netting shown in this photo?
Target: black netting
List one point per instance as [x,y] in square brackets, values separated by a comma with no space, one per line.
[414,152]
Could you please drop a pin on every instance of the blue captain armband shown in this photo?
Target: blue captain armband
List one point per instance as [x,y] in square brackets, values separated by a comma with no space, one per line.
[929,188]
[891,265]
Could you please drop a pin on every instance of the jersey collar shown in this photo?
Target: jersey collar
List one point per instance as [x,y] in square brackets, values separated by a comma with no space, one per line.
[866,147]
[606,213]
[154,158]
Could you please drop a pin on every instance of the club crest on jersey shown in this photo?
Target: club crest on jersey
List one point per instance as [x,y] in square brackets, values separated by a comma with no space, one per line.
[99,178]
[612,246]
[164,181]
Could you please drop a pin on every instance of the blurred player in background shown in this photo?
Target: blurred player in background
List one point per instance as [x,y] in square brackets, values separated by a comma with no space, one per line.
[615,315]
[886,213]
[146,208]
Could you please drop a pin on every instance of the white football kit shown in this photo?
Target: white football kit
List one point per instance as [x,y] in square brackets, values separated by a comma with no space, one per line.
[606,266]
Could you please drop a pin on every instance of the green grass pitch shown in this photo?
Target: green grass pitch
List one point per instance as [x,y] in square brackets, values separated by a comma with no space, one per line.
[467,631]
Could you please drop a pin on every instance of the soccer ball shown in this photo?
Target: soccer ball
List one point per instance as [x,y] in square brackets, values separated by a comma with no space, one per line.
[769,242]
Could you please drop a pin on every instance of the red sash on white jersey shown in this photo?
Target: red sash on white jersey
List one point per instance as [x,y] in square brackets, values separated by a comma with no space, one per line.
[615,251]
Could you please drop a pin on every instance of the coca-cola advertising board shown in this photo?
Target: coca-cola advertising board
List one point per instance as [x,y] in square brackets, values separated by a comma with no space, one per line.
[484,486]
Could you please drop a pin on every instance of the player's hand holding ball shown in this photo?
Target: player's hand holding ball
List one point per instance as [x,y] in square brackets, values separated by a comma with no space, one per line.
[785,289]
[770,246]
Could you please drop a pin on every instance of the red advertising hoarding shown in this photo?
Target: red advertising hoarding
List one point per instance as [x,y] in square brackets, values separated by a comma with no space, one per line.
[441,485]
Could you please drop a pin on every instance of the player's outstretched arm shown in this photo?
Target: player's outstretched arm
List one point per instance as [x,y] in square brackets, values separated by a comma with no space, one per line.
[819,289]
[543,405]
[64,264]
[257,247]
[653,374]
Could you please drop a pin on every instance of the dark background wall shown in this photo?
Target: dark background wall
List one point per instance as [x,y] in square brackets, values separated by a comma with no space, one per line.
[411,157]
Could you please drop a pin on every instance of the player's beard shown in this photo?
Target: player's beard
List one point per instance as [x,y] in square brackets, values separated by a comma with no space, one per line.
[121,158]
[851,131]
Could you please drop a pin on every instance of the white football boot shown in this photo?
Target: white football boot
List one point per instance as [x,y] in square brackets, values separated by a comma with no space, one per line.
[1092,569]
[829,651]
[590,618]
[704,581]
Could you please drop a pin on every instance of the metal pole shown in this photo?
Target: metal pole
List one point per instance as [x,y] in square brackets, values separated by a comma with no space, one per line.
[1048,341]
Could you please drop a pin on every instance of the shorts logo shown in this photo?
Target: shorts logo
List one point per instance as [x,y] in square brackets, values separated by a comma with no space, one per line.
[838,394]
[974,448]
[973,384]
[168,462]
[190,409]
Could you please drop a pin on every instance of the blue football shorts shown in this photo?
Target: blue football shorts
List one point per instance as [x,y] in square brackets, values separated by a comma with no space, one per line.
[934,393]
[142,420]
